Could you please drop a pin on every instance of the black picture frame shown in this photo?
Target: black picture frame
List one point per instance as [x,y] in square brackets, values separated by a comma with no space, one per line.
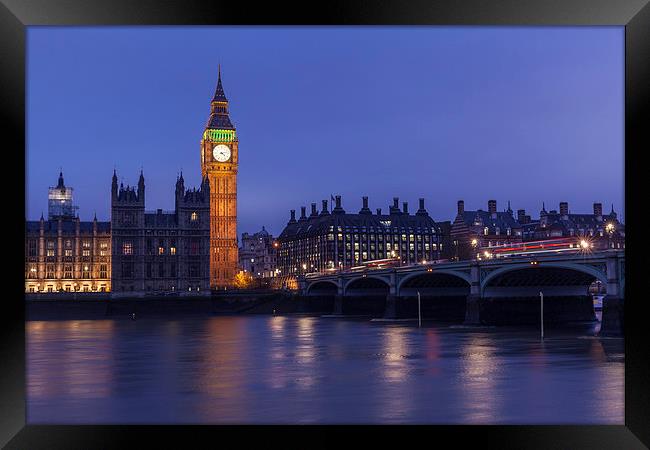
[16,15]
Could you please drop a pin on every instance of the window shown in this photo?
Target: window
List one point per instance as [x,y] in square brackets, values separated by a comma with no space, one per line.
[485,231]
[67,271]
[85,244]
[127,248]
[102,271]
[127,270]
[148,270]
[194,247]
[32,248]
[172,250]
[49,270]
[68,252]
[85,253]
[172,270]
[161,270]
[68,243]
[32,271]
[194,217]
[86,271]
[103,249]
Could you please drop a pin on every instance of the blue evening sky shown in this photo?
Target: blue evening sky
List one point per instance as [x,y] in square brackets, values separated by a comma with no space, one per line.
[526,114]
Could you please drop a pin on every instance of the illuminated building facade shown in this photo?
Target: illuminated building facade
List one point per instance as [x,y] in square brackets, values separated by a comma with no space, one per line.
[65,254]
[59,201]
[339,240]
[158,252]
[472,230]
[219,163]
[257,254]
[602,230]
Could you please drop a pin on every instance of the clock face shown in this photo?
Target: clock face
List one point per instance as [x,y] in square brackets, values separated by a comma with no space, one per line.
[221,153]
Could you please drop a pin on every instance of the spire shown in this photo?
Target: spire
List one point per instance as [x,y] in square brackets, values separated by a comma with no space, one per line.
[509,210]
[219,95]
[60,185]
[219,119]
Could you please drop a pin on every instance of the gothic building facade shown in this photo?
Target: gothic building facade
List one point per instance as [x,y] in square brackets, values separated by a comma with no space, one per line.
[65,254]
[160,252]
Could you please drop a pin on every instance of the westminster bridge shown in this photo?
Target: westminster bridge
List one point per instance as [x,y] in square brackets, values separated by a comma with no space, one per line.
[491,291]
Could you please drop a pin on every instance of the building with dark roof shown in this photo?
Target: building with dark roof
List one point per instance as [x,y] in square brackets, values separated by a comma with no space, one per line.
[601,230]
[474,229]
[333,240]
[64,253]
[160,252]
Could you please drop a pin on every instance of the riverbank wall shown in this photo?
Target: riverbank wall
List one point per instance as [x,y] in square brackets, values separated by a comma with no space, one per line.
[104,306]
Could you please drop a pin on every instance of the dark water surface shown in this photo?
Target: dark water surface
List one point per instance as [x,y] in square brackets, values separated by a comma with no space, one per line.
[275,369]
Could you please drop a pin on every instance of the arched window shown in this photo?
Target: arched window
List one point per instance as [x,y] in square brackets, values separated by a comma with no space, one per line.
[194,217]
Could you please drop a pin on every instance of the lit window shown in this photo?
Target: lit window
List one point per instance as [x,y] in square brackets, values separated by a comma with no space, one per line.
[85,253]
[127,248]
[194,217]
[68,252]
[161,250]
[485,231]
[172,250]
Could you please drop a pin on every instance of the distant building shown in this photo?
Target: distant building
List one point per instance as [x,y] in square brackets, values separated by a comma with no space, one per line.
[158,252]
[602,230]
[257,254]
[65,254]
[474,229]
[339,240]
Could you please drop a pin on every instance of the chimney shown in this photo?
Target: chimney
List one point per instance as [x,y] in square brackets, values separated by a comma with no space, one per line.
[598,210]
[405,208]
[564,209]
[461,207]
[492,208]
[395,208]
[521,215]
[325,210]
[337,209]
[303,215]
[421,211]
[379,211]
[314,212]
[365,209]
[293,216]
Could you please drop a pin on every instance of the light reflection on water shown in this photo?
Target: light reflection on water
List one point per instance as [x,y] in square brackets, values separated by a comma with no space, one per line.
[260,369]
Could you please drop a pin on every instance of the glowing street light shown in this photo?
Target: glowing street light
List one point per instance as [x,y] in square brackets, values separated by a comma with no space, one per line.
[584,244]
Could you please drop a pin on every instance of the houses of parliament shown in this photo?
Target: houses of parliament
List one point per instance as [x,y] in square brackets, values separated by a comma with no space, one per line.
[190,250]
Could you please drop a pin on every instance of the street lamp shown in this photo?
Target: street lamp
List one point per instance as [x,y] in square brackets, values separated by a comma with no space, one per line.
[610,228]
[474,243]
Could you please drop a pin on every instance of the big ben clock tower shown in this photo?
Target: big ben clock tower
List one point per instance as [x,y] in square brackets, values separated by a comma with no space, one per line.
[219,160]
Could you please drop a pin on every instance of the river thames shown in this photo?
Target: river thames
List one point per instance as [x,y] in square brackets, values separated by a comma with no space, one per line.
[310,370]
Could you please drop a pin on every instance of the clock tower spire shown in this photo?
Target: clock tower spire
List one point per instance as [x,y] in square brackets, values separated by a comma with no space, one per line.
[219,164]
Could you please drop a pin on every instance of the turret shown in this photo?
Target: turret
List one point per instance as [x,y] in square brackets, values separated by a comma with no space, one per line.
[141,187]
[114,186]
[338,209]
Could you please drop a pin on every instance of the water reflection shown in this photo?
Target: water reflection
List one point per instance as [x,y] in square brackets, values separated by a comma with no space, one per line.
[262,369]
[479,372]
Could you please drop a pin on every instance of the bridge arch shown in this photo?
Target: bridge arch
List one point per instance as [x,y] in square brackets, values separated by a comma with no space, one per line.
[323,287]
[366,285]
[437,280]
[555,269]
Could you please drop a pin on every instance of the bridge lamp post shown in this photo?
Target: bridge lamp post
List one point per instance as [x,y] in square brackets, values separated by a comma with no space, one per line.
[474,243]
[610,231]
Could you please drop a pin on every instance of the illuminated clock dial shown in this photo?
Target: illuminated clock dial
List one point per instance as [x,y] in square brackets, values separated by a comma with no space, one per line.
[221,152]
